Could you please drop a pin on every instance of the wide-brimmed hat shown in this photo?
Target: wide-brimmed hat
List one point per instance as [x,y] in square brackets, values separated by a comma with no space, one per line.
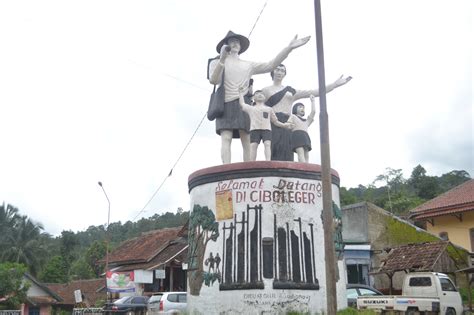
[244,42]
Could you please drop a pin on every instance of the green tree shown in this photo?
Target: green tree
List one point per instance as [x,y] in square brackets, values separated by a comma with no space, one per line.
[24,244]
[68,247]
[394,180]
[425,187]
[12,286]
[347,197]
[8,218]
[94,253]
[23,240]
[452,179]
[417,174]
[55,271]
[429,188]
[399,195]
[80,269]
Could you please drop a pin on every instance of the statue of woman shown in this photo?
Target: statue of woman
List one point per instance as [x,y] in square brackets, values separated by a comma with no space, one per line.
[281,98]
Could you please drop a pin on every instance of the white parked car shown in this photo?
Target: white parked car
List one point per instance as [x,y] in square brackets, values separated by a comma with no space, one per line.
[167,303]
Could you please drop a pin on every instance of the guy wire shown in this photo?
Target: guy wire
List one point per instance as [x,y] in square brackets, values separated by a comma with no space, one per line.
[195,131]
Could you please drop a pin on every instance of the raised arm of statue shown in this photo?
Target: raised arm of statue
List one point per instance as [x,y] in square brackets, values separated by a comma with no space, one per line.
[306,93]
[311,115]
[297,42]
[282,55]
[339,82]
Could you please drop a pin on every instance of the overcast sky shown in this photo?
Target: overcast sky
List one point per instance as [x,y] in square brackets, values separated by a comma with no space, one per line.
[112,91]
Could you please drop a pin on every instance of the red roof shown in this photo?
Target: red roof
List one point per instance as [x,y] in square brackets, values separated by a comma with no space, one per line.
[414,257]
[143,248]
[91,289]
[457,200]
[175,253]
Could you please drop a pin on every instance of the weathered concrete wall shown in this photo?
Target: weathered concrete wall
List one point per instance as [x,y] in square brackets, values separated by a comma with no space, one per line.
[382,231]
[355,224]
[265,228]
[380,239]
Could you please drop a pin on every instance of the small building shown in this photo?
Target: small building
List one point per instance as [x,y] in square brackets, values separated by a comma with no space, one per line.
[450,215]
[370,233]
[432,256]
[40,299]
[156,258]
[92,293]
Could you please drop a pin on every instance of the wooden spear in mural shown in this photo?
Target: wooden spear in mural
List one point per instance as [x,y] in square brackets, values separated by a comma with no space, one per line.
[331,295]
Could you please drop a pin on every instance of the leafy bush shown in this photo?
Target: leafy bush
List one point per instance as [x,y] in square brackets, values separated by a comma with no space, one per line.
[464,294]
[12,286]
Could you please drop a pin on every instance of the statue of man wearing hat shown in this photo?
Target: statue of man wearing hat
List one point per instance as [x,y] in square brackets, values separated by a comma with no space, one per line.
[235,123]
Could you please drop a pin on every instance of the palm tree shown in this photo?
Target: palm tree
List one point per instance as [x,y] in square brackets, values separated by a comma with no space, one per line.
[24,244]
[8,218]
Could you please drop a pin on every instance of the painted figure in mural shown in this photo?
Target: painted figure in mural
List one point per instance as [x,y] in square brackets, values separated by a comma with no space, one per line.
[217,259]
[260,126]
[235,123]
[300,140]
[281,99]
[210,262]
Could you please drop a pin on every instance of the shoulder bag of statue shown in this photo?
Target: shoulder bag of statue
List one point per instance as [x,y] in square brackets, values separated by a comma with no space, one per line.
[216,103]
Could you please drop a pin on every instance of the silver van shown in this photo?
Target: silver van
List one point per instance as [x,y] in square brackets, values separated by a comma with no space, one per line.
[167,303]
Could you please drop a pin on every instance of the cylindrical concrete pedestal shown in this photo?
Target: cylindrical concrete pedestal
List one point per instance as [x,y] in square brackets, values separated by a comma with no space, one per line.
[256,240]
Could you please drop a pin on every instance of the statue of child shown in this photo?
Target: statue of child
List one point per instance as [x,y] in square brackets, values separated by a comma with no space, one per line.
[260,127]
[300,141]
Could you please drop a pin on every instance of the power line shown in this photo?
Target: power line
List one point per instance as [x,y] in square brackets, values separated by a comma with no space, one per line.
[148,67]
[186,82]
[172,168]
[258,17]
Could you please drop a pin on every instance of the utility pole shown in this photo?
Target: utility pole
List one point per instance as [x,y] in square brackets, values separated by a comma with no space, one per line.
[106,240]
[330,257]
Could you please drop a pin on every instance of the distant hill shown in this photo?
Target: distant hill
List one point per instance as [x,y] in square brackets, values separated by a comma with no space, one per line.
[398,194]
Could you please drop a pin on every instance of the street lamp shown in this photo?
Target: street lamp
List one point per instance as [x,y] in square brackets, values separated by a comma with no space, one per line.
[106,239]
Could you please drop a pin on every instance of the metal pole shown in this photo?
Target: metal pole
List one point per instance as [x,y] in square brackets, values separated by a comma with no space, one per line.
[330,257]
[106,239]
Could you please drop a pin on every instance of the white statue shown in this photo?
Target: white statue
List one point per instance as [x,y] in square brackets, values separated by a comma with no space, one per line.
[281,99]
[235,123]
[300,141]
[260,126]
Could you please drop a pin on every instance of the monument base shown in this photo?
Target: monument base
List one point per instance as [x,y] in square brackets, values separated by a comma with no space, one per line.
[256,240]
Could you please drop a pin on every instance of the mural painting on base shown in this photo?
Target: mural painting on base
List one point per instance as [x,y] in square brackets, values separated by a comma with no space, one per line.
[202,229]
[257,244]
[287,257]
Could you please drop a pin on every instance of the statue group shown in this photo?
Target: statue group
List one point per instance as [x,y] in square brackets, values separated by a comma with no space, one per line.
[268,115]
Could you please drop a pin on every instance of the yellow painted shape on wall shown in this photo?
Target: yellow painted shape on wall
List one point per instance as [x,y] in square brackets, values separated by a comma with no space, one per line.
[224,205]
